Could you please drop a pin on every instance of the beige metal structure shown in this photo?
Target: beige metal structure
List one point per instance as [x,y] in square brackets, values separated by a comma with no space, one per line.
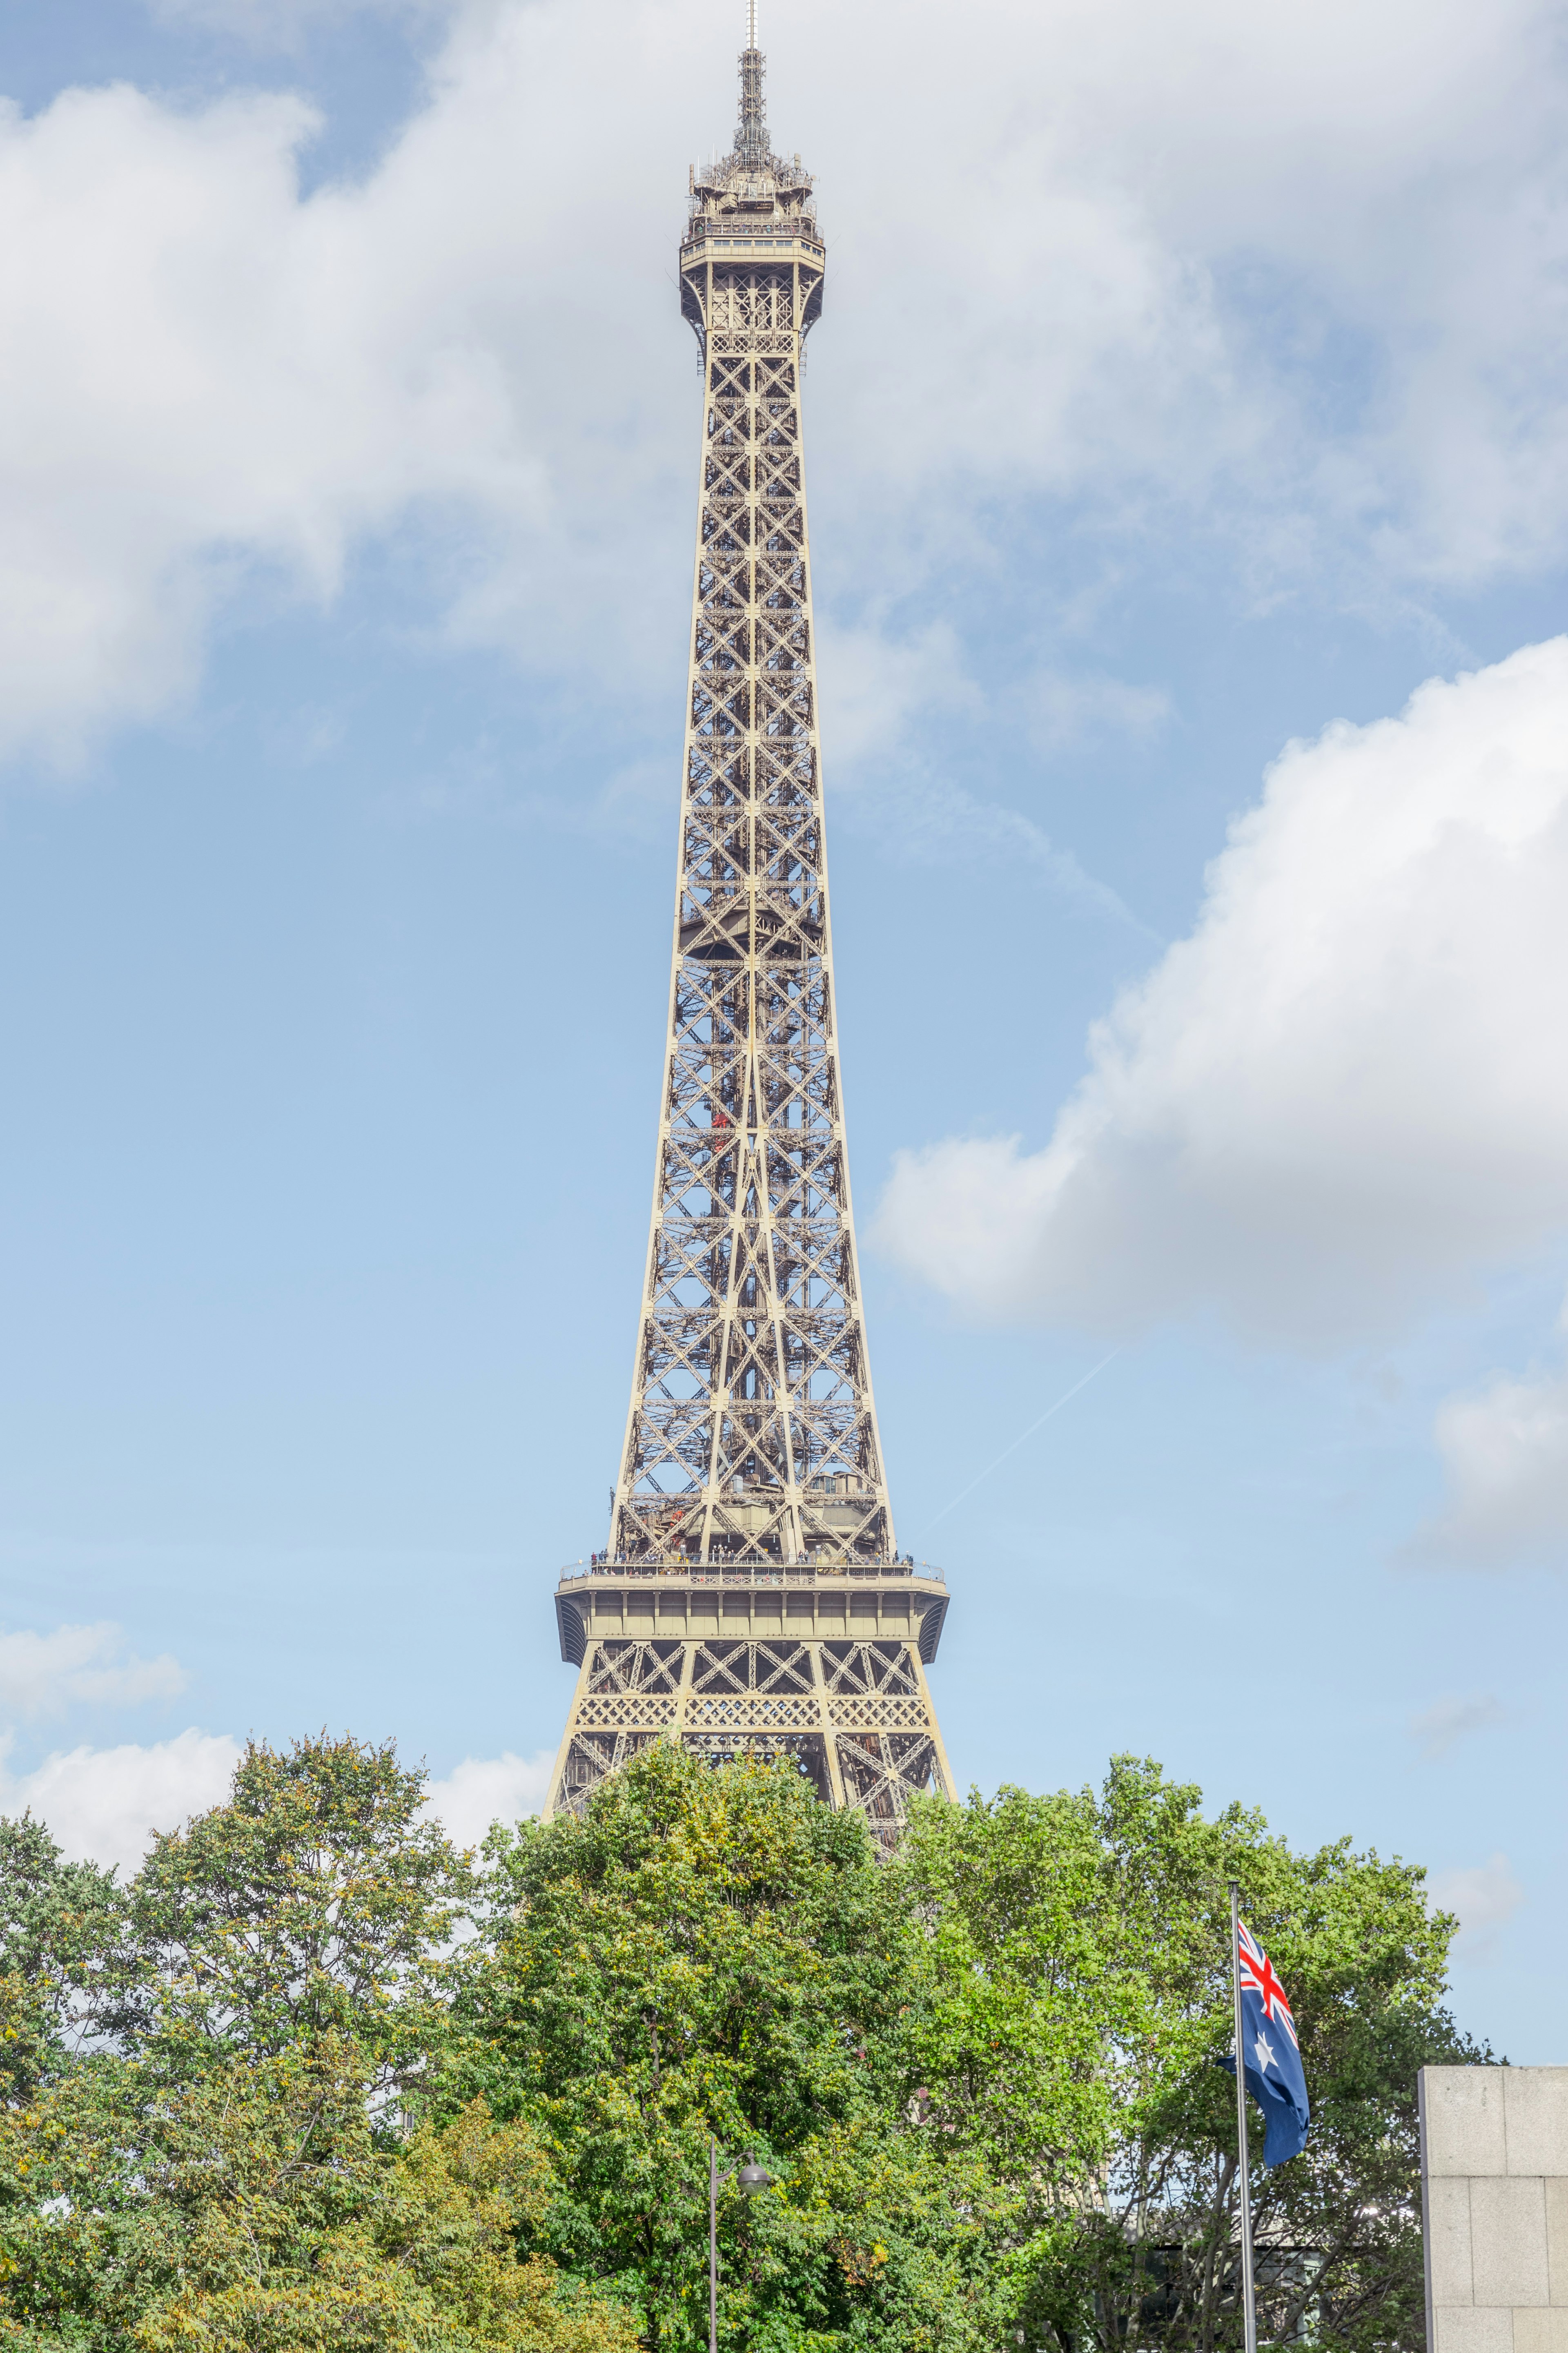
[752,1595]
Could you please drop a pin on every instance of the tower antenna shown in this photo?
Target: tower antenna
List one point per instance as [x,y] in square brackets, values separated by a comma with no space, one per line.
[752,131]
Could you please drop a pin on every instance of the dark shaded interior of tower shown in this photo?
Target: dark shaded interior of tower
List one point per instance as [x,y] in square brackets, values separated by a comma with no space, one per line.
[753,1434]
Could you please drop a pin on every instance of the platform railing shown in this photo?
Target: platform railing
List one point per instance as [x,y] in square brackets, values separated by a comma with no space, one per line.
[759,1571]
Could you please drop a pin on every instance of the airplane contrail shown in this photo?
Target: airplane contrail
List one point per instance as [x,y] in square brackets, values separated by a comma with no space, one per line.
[1066,1399]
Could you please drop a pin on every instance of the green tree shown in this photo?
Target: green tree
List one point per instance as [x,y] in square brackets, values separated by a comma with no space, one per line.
[234,2160]
[272,2096]
[319,1900]
[251,2209]
[1079,1946]
[59,1921]
[715,1952]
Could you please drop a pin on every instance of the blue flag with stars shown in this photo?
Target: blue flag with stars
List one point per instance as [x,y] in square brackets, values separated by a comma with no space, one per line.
[1274,2076]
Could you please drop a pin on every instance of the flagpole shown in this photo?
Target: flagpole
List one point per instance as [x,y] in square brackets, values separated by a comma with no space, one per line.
[1248,2299]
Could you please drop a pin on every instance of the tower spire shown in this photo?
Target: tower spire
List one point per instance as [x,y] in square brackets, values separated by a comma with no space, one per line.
[751,131]
[752,1598]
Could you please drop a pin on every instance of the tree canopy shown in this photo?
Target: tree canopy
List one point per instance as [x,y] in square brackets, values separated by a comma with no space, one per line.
[312,2078]
[1078,2009]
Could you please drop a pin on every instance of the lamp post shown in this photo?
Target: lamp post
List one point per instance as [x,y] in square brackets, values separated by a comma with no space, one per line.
[751,2177]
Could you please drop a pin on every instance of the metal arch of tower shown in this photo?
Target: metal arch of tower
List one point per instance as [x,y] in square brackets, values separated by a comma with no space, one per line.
[751,1457]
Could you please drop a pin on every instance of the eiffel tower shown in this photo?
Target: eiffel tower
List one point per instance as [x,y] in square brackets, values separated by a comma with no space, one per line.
[752,1598]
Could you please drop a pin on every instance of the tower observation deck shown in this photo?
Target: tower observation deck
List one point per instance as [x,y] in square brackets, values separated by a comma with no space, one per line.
[752,1598]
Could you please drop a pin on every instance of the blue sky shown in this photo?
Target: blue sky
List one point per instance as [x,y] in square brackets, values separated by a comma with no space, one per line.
[1187,390]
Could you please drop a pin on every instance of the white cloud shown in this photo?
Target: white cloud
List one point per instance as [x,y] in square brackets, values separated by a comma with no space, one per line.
[486,1789]
[877,687]
[1064,709]
[1505,1456]
[40,1674]
[1485,1896]
[1447,1721]
[1155,262]
[200,370]
[284,24]
[943,824]
[105,1803]
[1344,1095]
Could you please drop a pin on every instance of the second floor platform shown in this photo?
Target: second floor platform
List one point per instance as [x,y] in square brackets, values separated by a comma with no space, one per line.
[647,1600]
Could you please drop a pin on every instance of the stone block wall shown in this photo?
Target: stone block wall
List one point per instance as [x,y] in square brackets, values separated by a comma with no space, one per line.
[1494,2208]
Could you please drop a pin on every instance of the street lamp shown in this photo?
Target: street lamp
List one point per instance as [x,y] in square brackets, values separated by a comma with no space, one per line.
[751,2177]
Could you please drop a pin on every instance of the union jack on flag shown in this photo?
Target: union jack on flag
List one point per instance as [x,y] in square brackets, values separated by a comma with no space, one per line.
[1257,1977]
[1272,2053]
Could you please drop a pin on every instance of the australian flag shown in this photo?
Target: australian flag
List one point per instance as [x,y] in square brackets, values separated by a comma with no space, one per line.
[1274,2075]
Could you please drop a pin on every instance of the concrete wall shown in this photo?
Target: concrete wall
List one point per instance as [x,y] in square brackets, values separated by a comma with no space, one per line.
[1494,2208]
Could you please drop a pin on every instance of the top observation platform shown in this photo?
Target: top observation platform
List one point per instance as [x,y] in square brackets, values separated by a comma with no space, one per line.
[752,206]
[739,241]
[765,209]
[761,207]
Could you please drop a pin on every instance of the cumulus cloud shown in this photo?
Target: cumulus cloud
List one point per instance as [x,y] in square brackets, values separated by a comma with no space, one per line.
[1485,1897]
[104,1804]
[1504,1450]
[1162,264]
[40,1674]
[1343,1095]
[1439,1727]
[202,371]
[486,1789]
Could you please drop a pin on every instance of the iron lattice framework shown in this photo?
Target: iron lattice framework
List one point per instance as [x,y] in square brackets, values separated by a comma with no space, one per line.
[751,1471]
